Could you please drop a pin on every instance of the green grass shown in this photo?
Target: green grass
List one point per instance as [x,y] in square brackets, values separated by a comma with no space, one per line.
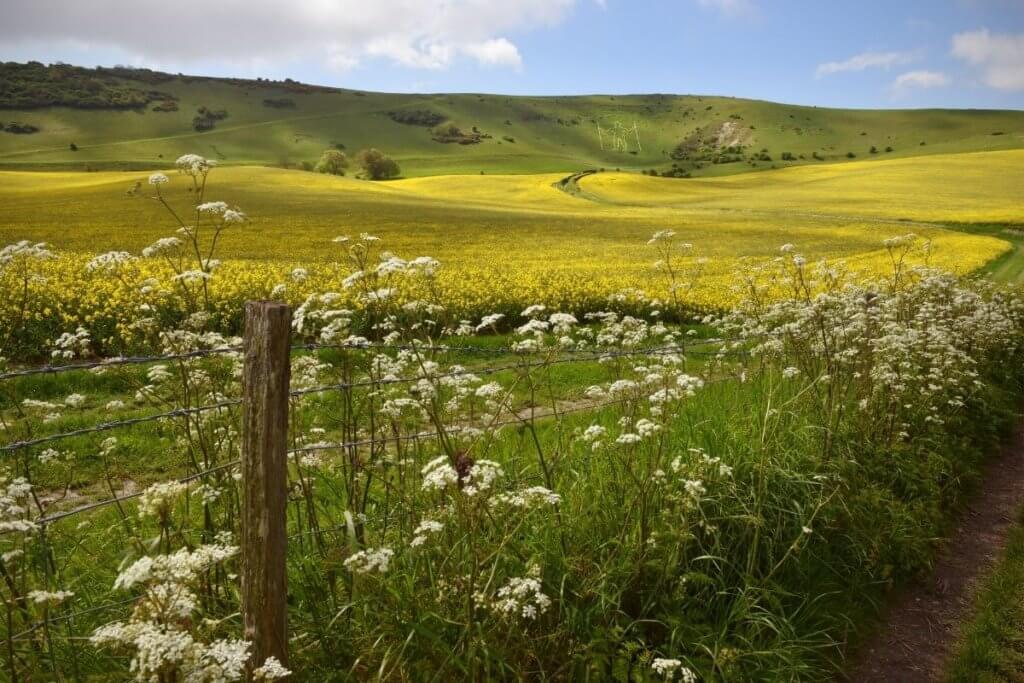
[1009,267]
[992,645]
[779,631]
[256,134]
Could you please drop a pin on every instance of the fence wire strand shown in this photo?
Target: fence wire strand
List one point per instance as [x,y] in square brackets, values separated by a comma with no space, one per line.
[116,424]
[180,412]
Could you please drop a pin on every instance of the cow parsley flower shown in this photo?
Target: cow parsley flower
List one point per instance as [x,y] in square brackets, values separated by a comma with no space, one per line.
[438,474]
[212,207]
[646,428]
[74,400]
[158,500]
[424,529]
[369,561]
[162,245]
[489,321]
[194,165]
[521,597]
[481,477]
[532,497]
[271,670]
[109,262]
[233,216]
[669,668]
[49,598]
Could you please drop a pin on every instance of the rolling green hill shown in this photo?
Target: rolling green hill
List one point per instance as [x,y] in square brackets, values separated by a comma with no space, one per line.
[125,118]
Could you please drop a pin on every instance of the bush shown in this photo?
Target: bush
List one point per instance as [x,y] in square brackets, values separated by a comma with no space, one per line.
[450,133]
[376,165]
[332,162]
[73,147]
[20,128]
[33,85]
[851,155]
[279,102]
[206,118]
[417,117]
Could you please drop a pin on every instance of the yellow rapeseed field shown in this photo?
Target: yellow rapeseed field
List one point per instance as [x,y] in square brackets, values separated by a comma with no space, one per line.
[504,241]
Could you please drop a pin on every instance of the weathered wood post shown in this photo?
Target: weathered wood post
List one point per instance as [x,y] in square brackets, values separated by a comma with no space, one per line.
[265,386]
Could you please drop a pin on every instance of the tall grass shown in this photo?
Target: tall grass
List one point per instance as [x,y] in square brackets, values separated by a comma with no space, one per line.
[644,517]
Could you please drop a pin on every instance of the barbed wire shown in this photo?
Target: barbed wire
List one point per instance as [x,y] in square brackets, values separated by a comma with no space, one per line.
[50,519]
[425,435]
[373,440]
[116,424]
[70,616]
[479,371]
[180,412]
[117,361]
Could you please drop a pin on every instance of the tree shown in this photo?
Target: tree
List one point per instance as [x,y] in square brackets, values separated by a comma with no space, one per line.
[376,165]
[333,162]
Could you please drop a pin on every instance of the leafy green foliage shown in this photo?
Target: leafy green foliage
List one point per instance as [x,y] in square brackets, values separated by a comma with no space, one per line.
[376,165]
[417,117]
[333,162]
[34,85]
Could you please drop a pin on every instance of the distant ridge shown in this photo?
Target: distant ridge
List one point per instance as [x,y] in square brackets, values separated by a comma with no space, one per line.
[63,116]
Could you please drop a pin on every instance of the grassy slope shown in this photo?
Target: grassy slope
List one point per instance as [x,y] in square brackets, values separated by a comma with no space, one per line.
[255,134]
[992,646]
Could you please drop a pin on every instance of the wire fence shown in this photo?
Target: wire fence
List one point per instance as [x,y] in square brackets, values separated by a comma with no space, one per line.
[580,355]
[117,361]
[522,363]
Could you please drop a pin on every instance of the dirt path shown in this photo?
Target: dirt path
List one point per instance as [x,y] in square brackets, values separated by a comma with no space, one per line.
[922,624]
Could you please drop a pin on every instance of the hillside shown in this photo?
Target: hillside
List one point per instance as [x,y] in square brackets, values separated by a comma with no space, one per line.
[125,118]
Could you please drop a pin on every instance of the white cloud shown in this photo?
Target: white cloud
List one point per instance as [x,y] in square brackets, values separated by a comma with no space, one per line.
[337,33]
[865,60]
[732,8]
[919,79]
[495,52]
[999,56]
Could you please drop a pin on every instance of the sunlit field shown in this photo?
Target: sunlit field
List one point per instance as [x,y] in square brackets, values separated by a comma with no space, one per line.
[498,435]
[508,241]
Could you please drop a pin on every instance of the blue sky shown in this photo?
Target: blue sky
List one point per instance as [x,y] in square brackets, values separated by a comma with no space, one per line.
[914,53]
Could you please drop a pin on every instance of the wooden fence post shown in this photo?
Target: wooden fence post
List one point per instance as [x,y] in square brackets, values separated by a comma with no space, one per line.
[265,386]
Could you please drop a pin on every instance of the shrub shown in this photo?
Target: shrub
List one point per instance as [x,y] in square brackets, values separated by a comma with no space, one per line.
[376,165]
[206,118]
[33,85]
[20,128]
[417,117]
[165,106]
[332,162]
[279,102]
[851,155]
[450,133]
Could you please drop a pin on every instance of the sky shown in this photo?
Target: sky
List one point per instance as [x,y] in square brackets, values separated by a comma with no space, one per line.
[839,53]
